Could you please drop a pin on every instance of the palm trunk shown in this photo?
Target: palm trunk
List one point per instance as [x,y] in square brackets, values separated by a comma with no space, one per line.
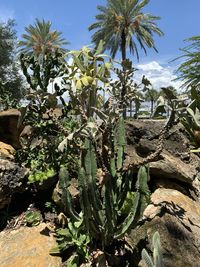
[123,93]
[152,106]
[123,46]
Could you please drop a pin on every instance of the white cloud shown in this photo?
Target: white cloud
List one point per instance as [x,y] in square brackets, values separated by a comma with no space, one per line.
[153,65]
[160,76]
[6,14]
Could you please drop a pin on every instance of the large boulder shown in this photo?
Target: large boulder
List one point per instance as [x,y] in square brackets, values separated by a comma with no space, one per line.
[12,180]
[175,162]
[27,247]
[9,128]
[177,219]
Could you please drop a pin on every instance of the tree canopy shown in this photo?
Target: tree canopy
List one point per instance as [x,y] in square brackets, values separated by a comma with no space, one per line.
[121,24]
[11,83]
[39,39]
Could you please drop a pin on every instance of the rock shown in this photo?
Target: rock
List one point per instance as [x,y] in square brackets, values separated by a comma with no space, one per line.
[9,130]
[12,180]
[28,247]
[174,168]
[167,167]
[176,162]
[6,151]
[147,129]
[26,132]
[143,135]
[168,184]
[177,219]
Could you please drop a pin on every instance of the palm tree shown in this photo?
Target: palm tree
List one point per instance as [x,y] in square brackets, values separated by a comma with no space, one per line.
[41,40]
[189,70]
[151,95]
[122,24]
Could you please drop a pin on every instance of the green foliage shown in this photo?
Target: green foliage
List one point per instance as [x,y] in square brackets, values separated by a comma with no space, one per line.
[40,156]
[87,71]
[40,148]
[11,82]
[39,75]
[32,218]
[124,89]
[128,203]
[187,114]
[190,118]
[6,97]
[121,24]
[169,102]
[73,236]
[189,70]
[40,176]
[157,260]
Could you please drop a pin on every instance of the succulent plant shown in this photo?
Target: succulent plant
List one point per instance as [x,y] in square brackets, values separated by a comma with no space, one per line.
[102,202]
[157,260]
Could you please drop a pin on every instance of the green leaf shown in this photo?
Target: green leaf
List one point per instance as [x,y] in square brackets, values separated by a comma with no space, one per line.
[84,80]
[55,250]
[64,232]
[78,224]
[79,84]
[195,150]
[100,48]
[147,259]
[194,116]
[79,64]
[33,217]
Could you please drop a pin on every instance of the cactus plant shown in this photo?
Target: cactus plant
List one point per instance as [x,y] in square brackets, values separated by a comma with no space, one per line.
[102,205]
[111,197]
[157,260]
[188,115]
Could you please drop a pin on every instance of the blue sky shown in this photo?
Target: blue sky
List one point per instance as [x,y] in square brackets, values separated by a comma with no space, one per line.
[179,20]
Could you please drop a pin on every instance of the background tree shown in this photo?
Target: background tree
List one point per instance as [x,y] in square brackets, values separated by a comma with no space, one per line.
[189,70]
[122,24]
[151,95]
[42,49]
[39,39]
[11,82]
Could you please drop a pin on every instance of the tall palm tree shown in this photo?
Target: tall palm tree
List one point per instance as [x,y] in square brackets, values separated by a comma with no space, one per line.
[40,39]
[189,70]
[121,24]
